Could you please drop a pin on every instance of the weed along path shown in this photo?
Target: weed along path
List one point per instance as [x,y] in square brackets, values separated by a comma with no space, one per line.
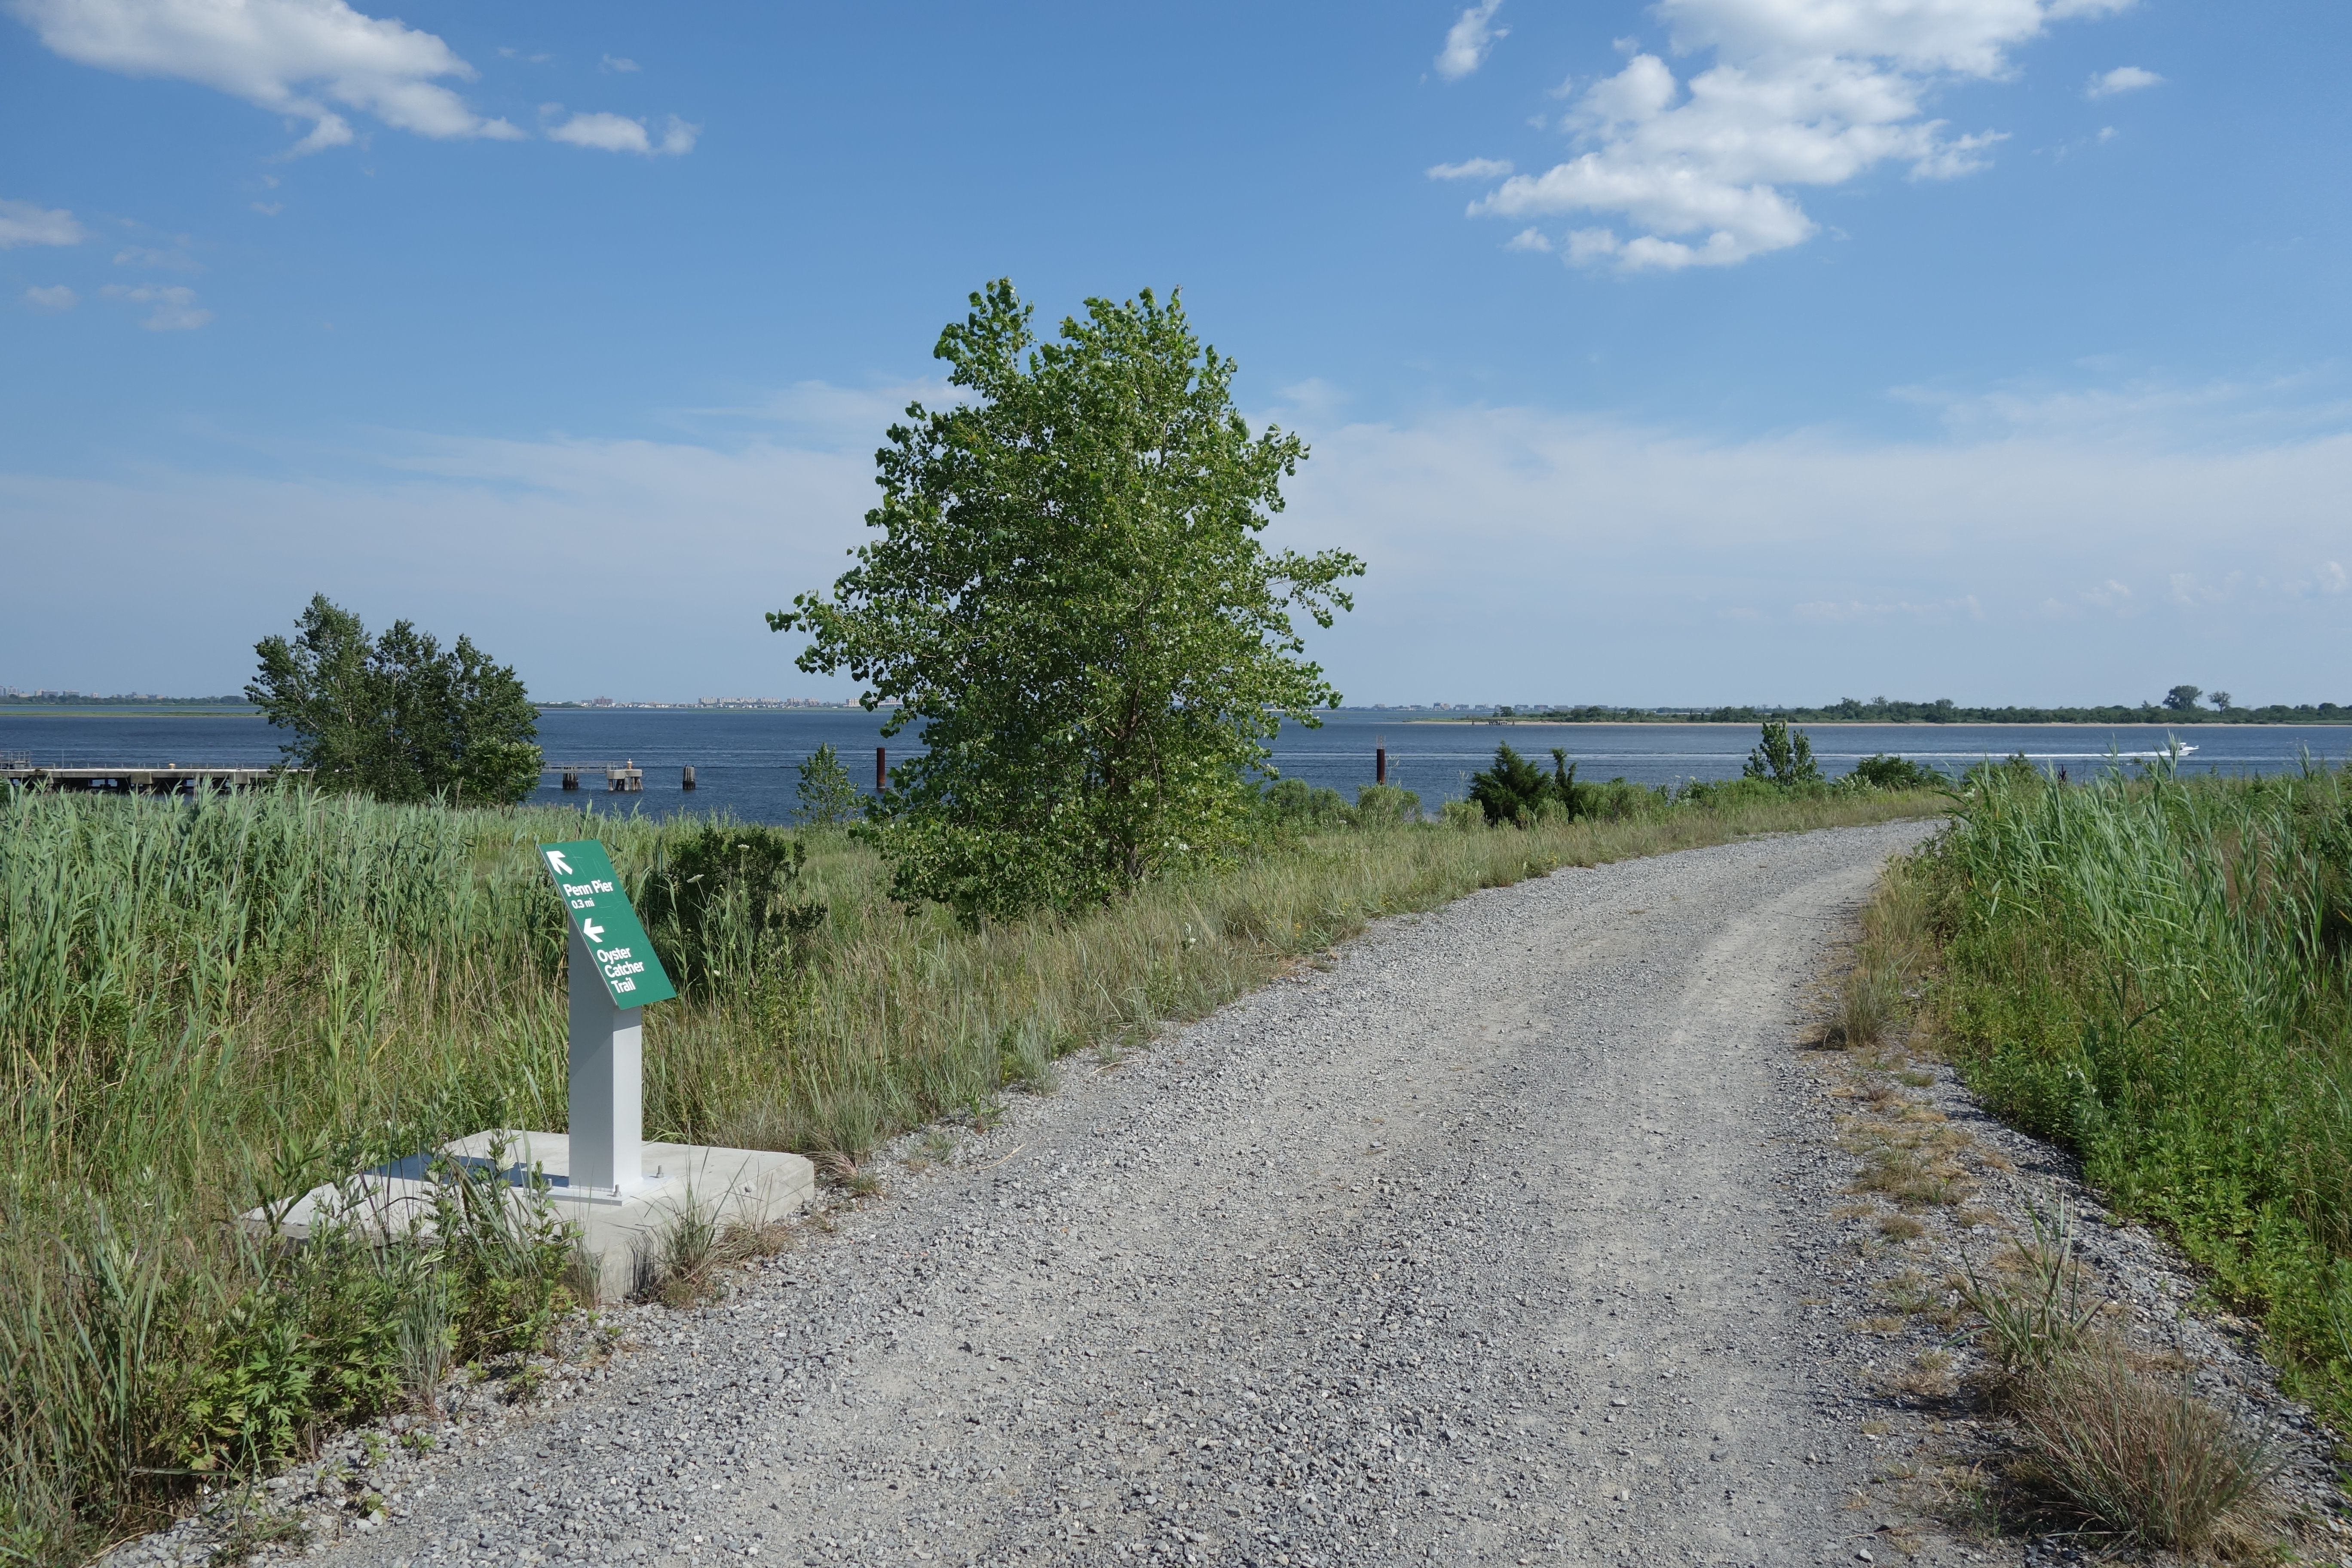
[1501,1239]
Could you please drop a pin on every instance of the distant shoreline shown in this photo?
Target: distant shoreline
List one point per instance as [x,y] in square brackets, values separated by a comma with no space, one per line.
[128,710]
[1926,723]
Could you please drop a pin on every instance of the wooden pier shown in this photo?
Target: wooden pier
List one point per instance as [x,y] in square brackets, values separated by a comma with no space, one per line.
[15,768]
[168,779]
[620,778]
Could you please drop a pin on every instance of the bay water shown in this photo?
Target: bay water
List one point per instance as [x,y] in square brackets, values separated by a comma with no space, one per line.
[746,760]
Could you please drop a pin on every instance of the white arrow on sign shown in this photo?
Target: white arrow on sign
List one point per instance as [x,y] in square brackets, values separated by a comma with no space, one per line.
[562,867]
[592,931]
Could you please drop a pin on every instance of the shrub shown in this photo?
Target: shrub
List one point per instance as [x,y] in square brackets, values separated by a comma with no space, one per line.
[2011,769]
[1722,794]
[1884,772]
[1510,789]
[1462,815]
[1618,801]
[1516,790]
[1385,805]
[720,904]
[1295,803]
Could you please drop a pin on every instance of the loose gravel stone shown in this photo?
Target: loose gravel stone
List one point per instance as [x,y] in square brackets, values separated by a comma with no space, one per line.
[1501,1239]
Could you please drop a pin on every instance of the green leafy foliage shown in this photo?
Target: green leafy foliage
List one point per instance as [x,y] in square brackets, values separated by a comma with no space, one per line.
[1885,771]
[328,1331]
[719,908]
[1512,789]
[826,797]
[209,1006]
[2152,969]
[1515,789]
[1295,805]
[1070,598]
[503,1256]
[1385,805]
[1782,758]
[399,718]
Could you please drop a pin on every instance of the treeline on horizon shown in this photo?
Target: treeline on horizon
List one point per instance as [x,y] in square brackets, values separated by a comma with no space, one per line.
[87,699]
[1944,710]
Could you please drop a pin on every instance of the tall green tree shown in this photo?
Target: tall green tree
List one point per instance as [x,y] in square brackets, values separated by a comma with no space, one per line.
[399,717]
[1070,598]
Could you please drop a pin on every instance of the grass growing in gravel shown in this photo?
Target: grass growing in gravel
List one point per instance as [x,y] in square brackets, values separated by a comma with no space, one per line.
[2153,971]
[208,1006]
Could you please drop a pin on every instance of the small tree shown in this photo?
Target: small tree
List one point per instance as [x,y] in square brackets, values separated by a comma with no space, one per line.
[400,719]
[2183,699]
[1782,758]
[1069,597]
[2222,700]
[827,795]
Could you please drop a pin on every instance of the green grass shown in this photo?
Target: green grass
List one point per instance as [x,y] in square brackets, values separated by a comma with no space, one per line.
[205,1008]
[2153,971]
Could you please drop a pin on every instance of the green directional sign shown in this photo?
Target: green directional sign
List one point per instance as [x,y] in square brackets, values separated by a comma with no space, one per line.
[600,914]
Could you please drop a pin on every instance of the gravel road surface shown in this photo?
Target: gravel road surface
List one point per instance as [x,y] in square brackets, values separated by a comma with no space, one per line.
[1497,1240]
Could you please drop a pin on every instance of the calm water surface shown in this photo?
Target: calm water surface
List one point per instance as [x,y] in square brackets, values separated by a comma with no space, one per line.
[744,762]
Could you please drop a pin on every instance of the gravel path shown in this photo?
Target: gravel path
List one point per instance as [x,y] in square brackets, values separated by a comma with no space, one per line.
[1496,1241]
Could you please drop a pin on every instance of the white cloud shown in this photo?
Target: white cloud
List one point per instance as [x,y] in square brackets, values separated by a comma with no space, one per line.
[1644,562]
[614,63]
[290,57]
[2123,78]
[2122,407]
[1624,537]
[1529,239]
[1951,160]
[149,256]
[56,297]
[1854,612]
[1471,169]
[332,131]
[22,223]
[1468,40]
[369,534]
[1801,92]
[175,308]
[1591,244]
[619,133]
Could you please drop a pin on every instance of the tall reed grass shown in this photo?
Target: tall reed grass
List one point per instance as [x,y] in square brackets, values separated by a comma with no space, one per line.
[2154,970]
[210,1005]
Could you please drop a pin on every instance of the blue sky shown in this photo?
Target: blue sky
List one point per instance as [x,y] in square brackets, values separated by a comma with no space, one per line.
[1771,350]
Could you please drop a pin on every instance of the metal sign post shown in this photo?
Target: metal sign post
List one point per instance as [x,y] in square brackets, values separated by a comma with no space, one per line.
[614,973]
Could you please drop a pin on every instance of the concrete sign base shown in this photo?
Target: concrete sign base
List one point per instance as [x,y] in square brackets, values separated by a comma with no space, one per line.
[623,1232]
